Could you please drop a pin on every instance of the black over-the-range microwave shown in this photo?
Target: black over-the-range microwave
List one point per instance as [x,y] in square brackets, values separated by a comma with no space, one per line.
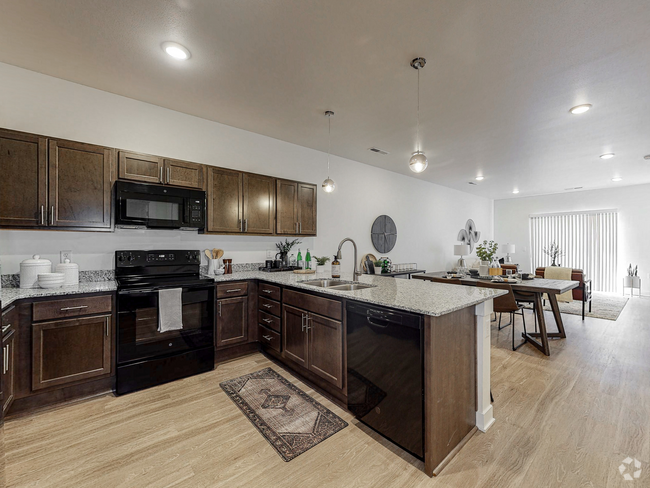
[145,206]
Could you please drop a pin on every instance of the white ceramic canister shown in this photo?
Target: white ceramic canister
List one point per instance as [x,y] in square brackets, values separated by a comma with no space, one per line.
[71,272]
[31,268]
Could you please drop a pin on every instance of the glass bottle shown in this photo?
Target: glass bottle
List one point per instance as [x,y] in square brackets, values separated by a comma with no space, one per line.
[308,260]
[301,264]
[336,268]
[292,260]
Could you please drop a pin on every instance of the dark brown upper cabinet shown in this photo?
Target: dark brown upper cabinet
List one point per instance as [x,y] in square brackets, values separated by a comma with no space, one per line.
[240,203]
[23,179]
[140,167]
[296,208]
[54,183]
[184,173]
[80,185]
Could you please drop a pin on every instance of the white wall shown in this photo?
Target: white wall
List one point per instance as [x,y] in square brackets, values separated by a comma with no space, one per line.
[511,223]
[428,216]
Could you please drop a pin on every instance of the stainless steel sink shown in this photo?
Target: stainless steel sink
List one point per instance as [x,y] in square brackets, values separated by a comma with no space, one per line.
[323,283]
[351,287]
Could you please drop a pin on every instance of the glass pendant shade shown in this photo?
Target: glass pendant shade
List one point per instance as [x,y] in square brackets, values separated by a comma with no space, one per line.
[418,162]
[329,186]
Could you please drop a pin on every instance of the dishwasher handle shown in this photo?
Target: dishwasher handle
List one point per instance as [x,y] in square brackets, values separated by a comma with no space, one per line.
[383,317]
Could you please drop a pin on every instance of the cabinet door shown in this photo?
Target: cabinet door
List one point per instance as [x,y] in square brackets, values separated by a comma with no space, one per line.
[140,167]
[23,179]
[259,204]
[326,349]
[307,209]
[287,207]
[225,200]
[8,369]
[184,173]
[232,321]
[66,351]
[294,335]
[80,184]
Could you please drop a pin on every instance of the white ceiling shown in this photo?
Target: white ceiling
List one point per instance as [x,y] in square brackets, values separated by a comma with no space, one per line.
[495,93]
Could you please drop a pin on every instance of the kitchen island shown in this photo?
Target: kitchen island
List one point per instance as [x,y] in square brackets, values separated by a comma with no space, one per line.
[455,345]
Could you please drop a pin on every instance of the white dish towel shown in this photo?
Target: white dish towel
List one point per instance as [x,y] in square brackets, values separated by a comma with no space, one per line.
[170,309]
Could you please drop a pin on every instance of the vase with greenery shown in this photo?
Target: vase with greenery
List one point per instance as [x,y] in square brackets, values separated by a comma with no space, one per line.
[379,266]
[284,248]
[554,252]
[486,251]
[320,263]
[632,279]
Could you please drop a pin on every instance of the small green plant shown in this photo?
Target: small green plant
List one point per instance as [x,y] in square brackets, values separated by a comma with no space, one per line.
[285,247]
[322,260]
[487,250]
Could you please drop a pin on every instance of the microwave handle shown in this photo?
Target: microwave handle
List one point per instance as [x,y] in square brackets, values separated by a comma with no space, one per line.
[187,211]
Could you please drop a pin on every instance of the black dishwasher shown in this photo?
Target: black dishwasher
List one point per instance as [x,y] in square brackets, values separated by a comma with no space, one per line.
[385,373]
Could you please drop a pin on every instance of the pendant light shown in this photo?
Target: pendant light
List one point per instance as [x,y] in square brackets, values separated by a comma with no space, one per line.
[328,185]
[418,162]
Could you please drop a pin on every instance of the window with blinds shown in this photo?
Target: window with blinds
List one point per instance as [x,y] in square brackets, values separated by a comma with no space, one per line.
[587,239]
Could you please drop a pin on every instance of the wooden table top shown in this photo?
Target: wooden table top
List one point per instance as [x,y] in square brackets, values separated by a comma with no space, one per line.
[537,285]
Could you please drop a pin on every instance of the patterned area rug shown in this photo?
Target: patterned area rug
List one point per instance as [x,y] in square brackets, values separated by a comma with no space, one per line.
[289,419]
[603,306]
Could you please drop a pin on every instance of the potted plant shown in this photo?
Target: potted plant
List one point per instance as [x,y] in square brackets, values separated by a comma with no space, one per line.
[486,251]
[320,266]
[554,252]
[284,248]
[632,279]
[379,267]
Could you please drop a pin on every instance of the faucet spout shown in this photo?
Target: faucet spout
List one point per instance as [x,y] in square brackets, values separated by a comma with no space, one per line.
[356,272]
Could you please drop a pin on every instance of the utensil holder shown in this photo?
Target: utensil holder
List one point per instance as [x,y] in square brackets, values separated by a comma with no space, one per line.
[213,265]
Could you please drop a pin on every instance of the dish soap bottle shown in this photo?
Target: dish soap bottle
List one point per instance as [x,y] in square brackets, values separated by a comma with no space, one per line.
[301,264]
[307,260]
[336,268]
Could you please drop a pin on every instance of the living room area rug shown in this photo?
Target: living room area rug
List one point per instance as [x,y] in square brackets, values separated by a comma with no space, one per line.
[289,419]
[603,306]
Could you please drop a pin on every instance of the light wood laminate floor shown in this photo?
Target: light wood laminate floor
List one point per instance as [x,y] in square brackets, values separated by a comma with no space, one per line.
[565,420]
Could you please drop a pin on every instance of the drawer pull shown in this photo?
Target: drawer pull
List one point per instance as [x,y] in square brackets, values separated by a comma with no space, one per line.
[233,290]
[267,305]
[74,308]
[268,338]
[268,321]
[5,328]
[267,291]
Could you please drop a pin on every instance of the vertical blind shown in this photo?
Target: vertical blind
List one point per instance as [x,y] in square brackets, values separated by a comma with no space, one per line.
[587,239]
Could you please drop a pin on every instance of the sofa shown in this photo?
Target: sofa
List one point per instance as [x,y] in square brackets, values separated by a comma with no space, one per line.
[582,293]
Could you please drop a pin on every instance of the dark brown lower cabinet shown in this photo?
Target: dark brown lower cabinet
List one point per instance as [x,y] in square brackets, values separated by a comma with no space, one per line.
[232,321]
[8,369]
[314,342]
[66,351]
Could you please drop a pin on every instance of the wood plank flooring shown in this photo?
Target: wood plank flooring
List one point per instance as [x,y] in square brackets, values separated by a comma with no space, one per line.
[565,420]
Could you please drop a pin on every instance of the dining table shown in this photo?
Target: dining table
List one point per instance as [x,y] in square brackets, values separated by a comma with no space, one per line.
[537,288]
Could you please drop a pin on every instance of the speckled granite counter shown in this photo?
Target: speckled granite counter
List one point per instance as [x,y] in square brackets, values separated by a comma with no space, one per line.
[426,298]
[10,295]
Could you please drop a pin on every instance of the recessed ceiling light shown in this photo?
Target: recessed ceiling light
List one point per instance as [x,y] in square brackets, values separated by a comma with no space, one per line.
[515,191]
[175,50]
[480,178]
[580,109]
[617,178]
[471,183]
[647,156]
[607,156]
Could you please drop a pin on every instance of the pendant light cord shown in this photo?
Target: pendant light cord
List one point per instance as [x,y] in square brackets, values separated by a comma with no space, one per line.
[329,142]
[418,129]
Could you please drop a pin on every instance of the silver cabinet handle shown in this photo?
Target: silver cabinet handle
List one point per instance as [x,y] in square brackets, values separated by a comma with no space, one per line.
[299,227]
[268,338]
[219,307]
[233,290]
[267,291]
[106,326]
[74,308]
[245,225]
[304,325]
[169,174]
[42,214]
[161,174]
[5,328]
[267,305]
[297,232]
[307,318]
[268,321]
[52,214]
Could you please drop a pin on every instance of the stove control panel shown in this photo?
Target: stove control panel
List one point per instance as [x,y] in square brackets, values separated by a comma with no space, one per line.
[125,259]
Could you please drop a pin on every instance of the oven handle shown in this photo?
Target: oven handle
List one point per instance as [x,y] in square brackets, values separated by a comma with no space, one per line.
[153,290]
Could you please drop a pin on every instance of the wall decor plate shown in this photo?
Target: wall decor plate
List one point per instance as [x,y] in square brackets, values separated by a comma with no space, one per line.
[383,234]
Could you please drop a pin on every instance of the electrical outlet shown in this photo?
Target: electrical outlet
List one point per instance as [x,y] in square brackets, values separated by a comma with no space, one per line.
[270,254]
[66,255]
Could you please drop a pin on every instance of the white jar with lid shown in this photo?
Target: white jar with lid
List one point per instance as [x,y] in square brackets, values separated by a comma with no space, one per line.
[31,268]
[71,272]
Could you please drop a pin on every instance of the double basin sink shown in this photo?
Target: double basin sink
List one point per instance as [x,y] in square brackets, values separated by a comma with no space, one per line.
[337,285]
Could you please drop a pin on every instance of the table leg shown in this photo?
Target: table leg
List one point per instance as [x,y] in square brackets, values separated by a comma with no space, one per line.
[558,316]
[543,346]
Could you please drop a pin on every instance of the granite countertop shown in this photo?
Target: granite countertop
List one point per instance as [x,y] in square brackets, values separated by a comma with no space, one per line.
[419,296]
[10,295]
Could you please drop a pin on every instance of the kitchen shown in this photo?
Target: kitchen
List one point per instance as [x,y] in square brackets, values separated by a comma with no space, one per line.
[130,164]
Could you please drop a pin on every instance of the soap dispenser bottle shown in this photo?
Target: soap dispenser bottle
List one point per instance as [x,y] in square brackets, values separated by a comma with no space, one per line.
[336,268]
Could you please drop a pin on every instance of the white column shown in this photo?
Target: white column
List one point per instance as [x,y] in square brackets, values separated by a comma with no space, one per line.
[484,414]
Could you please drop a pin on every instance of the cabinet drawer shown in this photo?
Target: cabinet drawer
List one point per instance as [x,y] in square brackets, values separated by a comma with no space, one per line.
[269,291]
[270,306]
[268,320]
[228,290]
[9,319]
[72,307]
[312,303]
[269,338]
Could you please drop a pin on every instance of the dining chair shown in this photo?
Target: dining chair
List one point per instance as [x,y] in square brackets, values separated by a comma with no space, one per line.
[506,304]
[527,297]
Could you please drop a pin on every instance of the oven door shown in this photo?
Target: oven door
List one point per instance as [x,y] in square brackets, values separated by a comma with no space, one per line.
[137,324]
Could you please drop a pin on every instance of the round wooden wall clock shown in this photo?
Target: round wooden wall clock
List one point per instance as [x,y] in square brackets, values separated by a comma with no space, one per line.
[383,234]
